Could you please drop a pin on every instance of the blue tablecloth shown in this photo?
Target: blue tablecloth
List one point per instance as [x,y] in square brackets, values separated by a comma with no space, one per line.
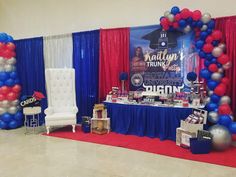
[145,120]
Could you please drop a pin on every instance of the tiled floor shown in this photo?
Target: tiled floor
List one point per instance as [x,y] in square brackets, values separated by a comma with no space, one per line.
[41,156]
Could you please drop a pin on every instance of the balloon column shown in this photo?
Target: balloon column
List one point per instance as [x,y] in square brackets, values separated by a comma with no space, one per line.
[10,114]
[210,47]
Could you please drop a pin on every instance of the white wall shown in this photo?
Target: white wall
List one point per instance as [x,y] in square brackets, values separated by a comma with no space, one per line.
[32,18]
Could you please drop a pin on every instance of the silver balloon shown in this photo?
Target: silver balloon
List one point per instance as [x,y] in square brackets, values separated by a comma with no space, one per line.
[187,29]
[227,65]
[204,28]
[210,92]
[171,17]
[5,104]
[2,68]
[207,100]
[225,99]
[2,61]
[232,118]
[216,76]
[12,110]
[222,46]
[11,61]
[217,51]
[166,13]
[2,110]
[206,17]
[213,117]
[221,137]
[220,70]
[15,102]
[9,68]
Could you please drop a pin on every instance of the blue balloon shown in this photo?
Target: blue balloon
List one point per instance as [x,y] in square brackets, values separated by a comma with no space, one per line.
[175,10]
[1,83]
[202,54]
[191,76]
[13,124]
[3,125]
[211,24]
[189,21]
[213,60]
[13,74]
[199,44]
[3,37]
[6,117]
[194,24]
[225,120]
[10,82]
[209,56]
[211,107]
[182,23]
[4,76]
[199,24]
[209,31]
[205,73]
[18,116]
[215,98]
[215,43]
[219,65]
[203,35]
[212,84]
[9,38]
[17,81]
[206,63]
[232,127]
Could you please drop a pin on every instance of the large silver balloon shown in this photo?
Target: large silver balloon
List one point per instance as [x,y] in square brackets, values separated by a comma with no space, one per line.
[206,17]
[12,110]
[213,117]
[204,28]
[11,61]
[5,104]
[227,65]
[221,137]
[216,76]
[2,61]
[187,29]
[171,17]
[217,51]
[15,102]
[166,13]
[2,110]
[222,46]
[9,68]
[225,100]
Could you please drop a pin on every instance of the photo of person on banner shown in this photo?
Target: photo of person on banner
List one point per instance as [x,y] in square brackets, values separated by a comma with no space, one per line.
[138,65]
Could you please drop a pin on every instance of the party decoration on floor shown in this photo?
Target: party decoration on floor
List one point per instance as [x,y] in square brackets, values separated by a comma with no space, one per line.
[10,111]
[210,47]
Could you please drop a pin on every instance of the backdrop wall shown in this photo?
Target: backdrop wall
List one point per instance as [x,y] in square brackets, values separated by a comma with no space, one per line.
[27,18]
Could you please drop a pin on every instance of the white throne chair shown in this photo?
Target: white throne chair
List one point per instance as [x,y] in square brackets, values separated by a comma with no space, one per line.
[62,109]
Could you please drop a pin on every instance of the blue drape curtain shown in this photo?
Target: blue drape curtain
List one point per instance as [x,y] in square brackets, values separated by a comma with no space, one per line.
[30,66]
[86,64]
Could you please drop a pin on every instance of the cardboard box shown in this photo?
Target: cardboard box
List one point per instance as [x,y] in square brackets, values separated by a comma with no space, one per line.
[191,127]
[183,137]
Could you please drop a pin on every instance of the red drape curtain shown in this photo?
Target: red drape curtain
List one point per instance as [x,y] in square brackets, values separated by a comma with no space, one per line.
[114,59]
[228,26]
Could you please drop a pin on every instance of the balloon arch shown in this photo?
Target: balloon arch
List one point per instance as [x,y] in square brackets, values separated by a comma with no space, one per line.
[210,47]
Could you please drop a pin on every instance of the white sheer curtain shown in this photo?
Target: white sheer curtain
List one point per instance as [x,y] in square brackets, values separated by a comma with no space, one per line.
[58,51]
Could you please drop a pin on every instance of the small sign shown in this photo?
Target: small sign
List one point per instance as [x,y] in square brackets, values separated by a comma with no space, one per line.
[32,101]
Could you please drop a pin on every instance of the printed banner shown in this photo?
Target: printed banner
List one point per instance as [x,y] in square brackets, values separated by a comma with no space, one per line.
[160,60]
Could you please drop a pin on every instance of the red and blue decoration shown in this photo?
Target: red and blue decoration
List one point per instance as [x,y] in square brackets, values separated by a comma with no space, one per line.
[10,111]
[210,47]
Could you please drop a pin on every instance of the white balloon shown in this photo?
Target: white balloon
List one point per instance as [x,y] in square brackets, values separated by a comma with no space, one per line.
[216,76]
[204,28]
[5,104]
[9,68]
[225,99]
[227,65]
[2,68]
[206,17]
[187,29]
[222,46]
[2,61]
[171,17]
[220,70]
[15,102]
[217,51]
[210,92]
[11,61]
[166,13]
[2,110]
[12,110]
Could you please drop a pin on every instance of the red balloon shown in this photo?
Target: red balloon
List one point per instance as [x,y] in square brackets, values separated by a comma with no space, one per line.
[220,90]
[208,48]
[185,13]
[176,25]
[2,46]
[7,54]
[197,15]
[165,27]
[16,88]
[223,59]
[2,97]
[11,46]
[5,90]
[213,67]
[164,21]
[11,96]
[224,109]
[217,35]
[177,17]
[225,81]
[209,39]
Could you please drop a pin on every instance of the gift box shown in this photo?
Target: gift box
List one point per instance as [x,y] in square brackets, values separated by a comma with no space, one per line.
[200,146]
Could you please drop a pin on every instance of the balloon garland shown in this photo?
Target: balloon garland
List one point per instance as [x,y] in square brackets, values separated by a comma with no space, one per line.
[210,47]
[10,114]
